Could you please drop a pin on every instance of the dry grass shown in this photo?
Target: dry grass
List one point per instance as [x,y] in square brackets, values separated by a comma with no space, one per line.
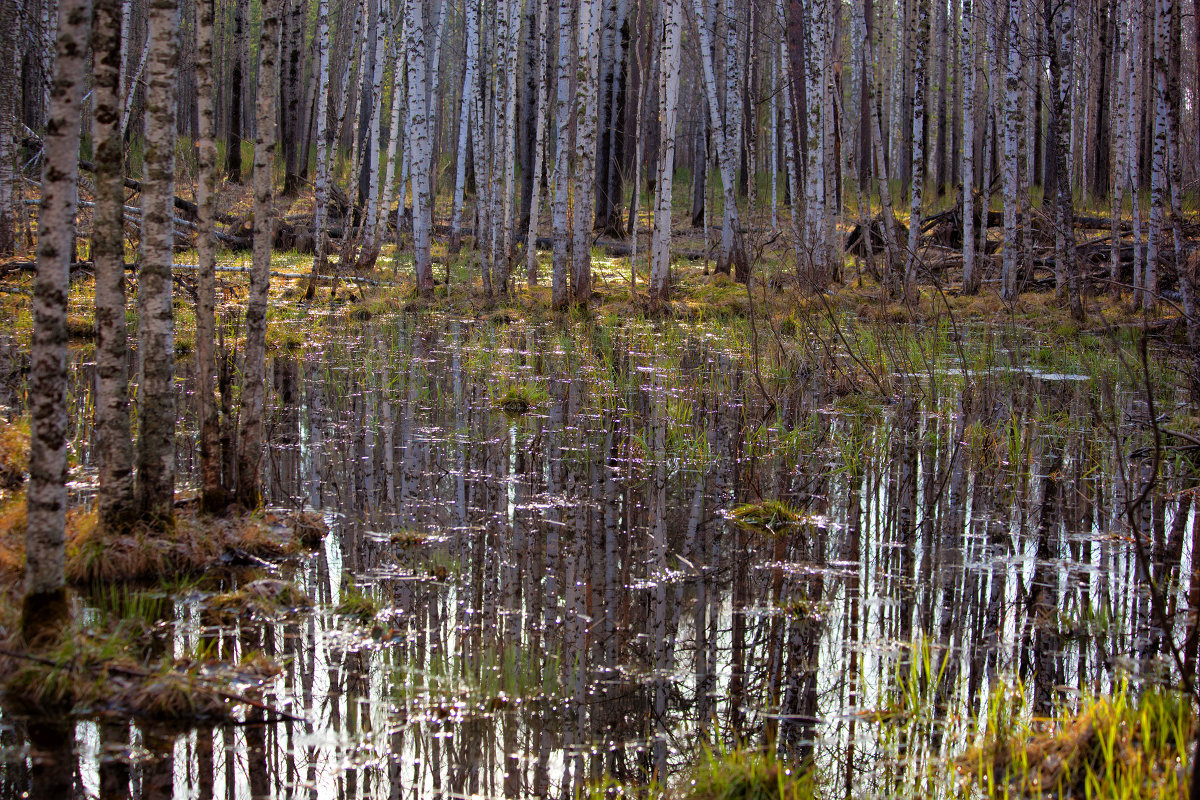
[14,453]
[1116,747]
[195,543]
[265,598]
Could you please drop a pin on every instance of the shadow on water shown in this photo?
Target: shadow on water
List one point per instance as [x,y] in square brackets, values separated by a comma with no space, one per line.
[564,591]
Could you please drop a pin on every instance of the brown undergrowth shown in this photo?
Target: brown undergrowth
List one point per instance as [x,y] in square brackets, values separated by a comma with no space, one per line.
[192,545]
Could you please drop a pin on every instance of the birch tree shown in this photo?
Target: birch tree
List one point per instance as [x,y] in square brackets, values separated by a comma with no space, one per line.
[213,495]
[668,101]
[560,286]
[156,320]
[321,188]
[1060,34]
[531,260]
[967,62]
[250,436]
[918,151]
[419,124]
[725,132]
[1012,126]
[1158,164]
[9,82]
[469,89]
[587,115]
[44,609]
[114,443]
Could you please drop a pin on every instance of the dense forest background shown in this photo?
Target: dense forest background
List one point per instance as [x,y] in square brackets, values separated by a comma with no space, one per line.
[534,107]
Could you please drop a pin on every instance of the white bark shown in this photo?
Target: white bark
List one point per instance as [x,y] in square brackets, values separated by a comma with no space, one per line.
[586,115]
[419,123]
[114,445]
[469,89]
[967,62]
[45,606]
[725,133]
[531,262]
[560,286]
[206,247]
[668,101]
[156,322]
[913,259]
[1012,132]
[250,438]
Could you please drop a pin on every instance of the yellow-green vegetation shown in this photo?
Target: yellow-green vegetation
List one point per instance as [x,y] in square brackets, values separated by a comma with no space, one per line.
[111,663]
[518,400]
[769,518]
[265,598]
[1118,746]
[742,775]
[357,605]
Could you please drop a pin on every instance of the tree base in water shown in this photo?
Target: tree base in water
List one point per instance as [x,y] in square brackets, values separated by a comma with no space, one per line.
[43,616]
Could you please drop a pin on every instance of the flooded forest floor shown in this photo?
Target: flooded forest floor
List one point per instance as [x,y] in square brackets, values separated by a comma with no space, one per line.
[774,545]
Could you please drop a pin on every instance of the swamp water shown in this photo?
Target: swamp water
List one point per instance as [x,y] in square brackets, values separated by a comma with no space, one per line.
[570,591]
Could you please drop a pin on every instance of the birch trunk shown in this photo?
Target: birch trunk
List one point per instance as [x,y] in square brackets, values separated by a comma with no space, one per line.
[250,437]
[9,88]
[733,254]
[970,273]
[321,188]
[789,149]
[1061,62]
[668,101]
[156,322]
[531,260]
[233,141]
[370,159]
[1119,153]
[585,151]
[918,152]
[114,445]
[212,489]
[560,286]
[1012,126]
[1158,174]
[469,90]
[418,123]
[814,173]
[44,609]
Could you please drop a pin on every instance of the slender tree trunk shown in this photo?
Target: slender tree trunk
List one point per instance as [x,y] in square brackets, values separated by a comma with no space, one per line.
[419,124]
[250,438]
[469,89]
[1012,125]
[291,97]
[725,132]
[668,102]
[213,497]
[114,443]
[531,260]
[918,152]
[560,284]
[156,321]
[1061,36]
[1159,167]
[9,91]
[233,139]
[324,135]
[970,273]
[587,116]
[44,609]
